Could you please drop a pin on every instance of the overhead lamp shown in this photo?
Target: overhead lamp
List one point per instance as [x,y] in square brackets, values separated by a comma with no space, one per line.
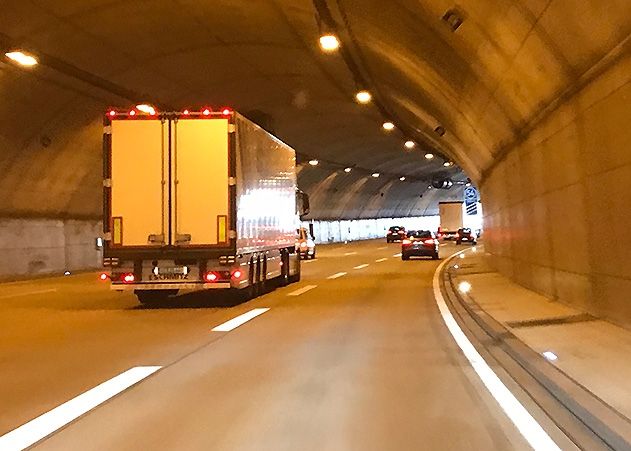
[448,164]
[347,170]
[402,178]
[409,144]
[146,109]
[375,174]
[314,162]
[388,126]
[22,58]
[429,156]
[329,42]
[363,96]
[464,286]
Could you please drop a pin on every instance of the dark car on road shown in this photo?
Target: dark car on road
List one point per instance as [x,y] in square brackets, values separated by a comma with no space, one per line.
[395,233]
[467,235]
[422,243]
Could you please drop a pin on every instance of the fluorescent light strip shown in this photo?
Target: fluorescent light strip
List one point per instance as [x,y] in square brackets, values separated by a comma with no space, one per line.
[302,290]
[365,265]
[337,275]
[239,320]
[529,428]
[53,420]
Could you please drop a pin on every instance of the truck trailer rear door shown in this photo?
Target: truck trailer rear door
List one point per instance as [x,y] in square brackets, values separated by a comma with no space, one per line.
[200,185]
[137,191]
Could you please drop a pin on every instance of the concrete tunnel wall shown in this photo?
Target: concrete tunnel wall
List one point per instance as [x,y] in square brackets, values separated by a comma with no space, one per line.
[557,207]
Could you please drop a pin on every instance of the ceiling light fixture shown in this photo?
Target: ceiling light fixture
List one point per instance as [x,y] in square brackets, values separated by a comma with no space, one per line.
[363,96]
[402,178]
[409,144]
[347,170]
[314,162]
[22,58]
[448,164]
[375,174]
[429,156]
[388,126]
[329,42]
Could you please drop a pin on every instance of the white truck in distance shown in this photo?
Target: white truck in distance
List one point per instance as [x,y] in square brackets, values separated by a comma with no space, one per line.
[195,201]
[451,219]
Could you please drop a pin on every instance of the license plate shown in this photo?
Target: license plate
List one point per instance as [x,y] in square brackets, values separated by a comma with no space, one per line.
[170,273]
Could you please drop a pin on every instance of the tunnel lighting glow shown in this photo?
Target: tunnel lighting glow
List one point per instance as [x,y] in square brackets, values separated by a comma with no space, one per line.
[66,273]
[429,155]
[402,179]
[550,355]
[363,96]
[456,266]
[23,59]
[461,255]
[329,42]
[464,287]
[226,111]
[146,109]
[388,126]
[409,144]
[206,112]
[347,170]
[314,162]
[375,174]
[448,164]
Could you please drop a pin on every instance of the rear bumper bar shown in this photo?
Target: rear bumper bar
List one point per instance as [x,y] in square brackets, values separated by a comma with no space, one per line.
[169,286]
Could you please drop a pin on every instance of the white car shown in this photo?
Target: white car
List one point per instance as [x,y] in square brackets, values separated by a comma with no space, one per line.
[305,246]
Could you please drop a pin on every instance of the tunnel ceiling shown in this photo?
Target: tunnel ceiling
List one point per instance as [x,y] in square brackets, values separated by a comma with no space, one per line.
[486,83]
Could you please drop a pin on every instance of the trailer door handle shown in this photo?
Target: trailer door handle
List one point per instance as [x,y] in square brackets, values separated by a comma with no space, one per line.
[182,238]
[156,239]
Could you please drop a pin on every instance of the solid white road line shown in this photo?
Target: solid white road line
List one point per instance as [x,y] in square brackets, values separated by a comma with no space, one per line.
[350,253]
[302,290]
[239,320]
[28,293]
[379,260]
[44,425]
[337,275]
[382,248]
[361,266]
[397,255]
[531,430]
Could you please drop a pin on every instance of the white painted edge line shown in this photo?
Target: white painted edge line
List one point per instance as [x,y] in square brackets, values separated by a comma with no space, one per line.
[302,290]
[382,248]
[239,320]
[28,293]
[379,260]
[529,428]
[350,253]
[397,255]
[307,261]
[51,421]
[337,275]
[365,265]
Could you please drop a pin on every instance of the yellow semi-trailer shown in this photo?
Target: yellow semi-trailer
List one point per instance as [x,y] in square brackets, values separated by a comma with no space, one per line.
[196,201]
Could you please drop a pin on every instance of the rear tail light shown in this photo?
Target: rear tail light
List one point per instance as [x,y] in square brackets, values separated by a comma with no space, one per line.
[226,111]
[128,277]
[132,113]
[406,242]
[112,113]
[206,112]
[389,232]
[431,241]
[236,274]
[211,277]
[104,276]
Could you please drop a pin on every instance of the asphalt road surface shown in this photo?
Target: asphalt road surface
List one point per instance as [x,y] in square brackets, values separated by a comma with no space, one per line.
[354,357]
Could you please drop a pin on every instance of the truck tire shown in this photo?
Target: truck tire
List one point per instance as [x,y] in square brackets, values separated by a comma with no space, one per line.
[405,257]
[283,280]
[295,277]
[435,256]
[154,297]
[458,242]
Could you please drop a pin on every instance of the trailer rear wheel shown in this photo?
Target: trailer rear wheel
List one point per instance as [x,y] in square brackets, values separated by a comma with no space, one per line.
[154,297]
[295,277]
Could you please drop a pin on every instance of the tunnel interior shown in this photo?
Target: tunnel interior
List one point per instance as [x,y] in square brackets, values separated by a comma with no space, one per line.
[529,99]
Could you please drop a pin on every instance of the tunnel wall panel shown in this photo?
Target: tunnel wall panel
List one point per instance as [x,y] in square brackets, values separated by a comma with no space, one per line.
[558,206]
[32,247]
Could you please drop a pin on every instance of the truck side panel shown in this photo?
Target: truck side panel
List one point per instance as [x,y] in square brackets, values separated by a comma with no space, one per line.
[451,216]
[137,191]
[266,189]
[200,165]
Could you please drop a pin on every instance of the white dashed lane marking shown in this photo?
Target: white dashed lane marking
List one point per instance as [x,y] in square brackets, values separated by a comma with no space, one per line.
[302,290]
[361,266]
[337,275]
[379,260]
[239,320]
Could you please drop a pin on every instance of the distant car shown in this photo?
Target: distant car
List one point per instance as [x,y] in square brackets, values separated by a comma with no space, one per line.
[395,233]
[467,235]
[305,246]
[422,243]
